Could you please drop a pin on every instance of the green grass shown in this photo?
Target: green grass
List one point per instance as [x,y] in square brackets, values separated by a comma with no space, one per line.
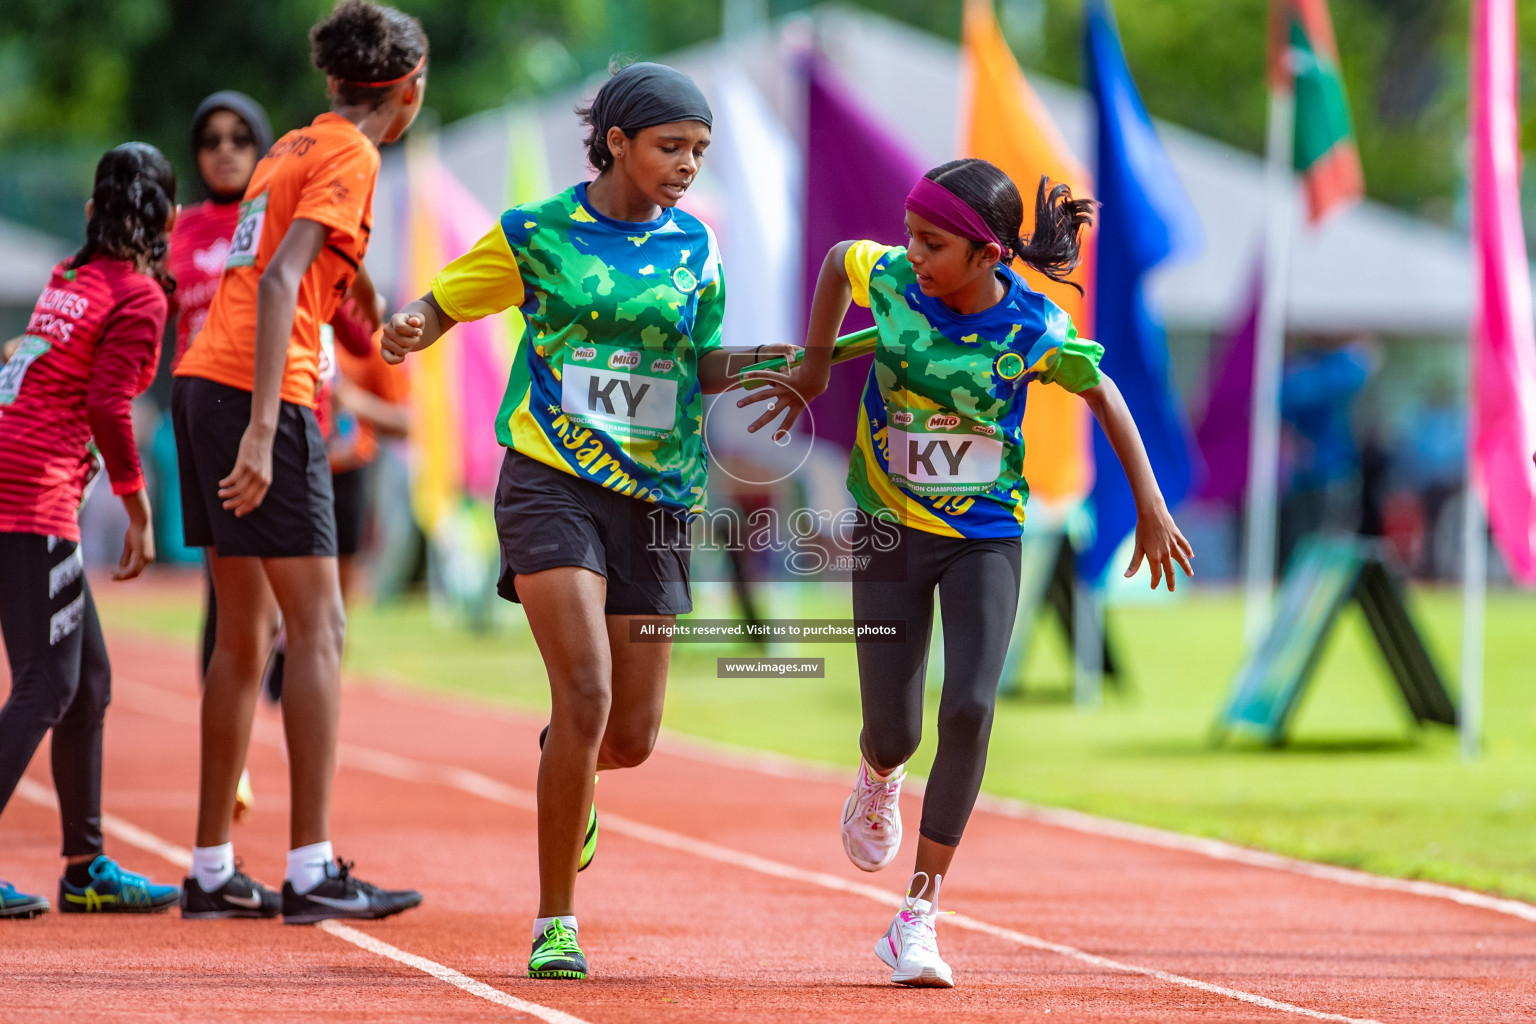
[1359,786]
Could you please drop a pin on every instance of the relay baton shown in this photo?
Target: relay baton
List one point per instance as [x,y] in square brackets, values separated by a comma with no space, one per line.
[849,346]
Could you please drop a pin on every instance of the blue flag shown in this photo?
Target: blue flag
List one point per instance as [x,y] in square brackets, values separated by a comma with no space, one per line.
[1145,218]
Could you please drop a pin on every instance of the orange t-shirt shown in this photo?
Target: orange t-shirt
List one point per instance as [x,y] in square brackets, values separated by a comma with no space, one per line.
[324,173]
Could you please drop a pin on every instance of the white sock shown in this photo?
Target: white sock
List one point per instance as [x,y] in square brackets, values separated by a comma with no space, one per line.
[876,775]
[212,866]
[307,864]
[540,923]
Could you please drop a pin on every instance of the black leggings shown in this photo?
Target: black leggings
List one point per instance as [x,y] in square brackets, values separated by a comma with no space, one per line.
[978,585]
[60,679]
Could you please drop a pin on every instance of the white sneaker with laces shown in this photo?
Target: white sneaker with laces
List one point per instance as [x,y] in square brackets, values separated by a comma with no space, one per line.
[872,819]
[910,947]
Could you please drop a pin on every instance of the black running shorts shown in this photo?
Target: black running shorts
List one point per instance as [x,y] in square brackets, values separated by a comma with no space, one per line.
[296,518]
[546,518]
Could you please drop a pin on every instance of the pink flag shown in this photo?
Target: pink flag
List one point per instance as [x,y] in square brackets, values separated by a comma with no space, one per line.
[1503,413]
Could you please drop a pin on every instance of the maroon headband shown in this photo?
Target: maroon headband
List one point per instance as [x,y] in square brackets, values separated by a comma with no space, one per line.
[941,207]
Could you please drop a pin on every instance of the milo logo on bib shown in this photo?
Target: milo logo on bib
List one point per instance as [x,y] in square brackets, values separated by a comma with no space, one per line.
[948,454]
[601,387]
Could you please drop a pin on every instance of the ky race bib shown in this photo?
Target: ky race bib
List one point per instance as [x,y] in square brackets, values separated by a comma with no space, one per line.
[625,392]
[934,454]
[242,247]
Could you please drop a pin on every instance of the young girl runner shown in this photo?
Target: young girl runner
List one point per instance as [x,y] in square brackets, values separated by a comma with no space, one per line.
[624,299]
[937,475]
[255,485]
[90,348]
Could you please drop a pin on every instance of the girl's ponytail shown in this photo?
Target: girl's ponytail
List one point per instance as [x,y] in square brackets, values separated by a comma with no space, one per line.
[133,197]
[1054,247]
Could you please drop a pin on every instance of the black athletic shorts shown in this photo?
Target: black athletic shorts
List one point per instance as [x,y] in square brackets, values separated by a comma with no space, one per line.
[351,487]
[546,518]
[297,517]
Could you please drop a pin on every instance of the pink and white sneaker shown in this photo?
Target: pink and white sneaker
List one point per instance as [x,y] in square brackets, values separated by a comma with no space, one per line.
[872,819]
[910,947]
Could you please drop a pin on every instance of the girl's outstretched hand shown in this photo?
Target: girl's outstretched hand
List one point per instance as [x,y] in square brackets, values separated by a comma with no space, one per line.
[402,334]
[1159,541]
[791,389]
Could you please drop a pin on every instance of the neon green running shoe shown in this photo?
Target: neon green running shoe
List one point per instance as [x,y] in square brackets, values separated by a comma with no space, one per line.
[589,846]
[556,954]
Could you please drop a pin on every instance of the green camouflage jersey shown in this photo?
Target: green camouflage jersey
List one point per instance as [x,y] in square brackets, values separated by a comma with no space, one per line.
[618,315]
[939,439]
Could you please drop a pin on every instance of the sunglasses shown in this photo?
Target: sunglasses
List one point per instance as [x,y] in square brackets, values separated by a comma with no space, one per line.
[239,140]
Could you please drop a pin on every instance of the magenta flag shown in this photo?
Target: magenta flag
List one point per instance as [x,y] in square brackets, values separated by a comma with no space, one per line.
[856,181]
[1223,430]
[1503,413]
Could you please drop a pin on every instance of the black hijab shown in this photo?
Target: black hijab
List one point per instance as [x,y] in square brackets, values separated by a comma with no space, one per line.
[646,94]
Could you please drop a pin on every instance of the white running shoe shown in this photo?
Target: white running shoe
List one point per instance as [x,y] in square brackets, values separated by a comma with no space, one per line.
[872,819]
[910,947]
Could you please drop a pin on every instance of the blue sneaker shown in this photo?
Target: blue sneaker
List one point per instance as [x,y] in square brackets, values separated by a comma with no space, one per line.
[115,891]
[20,904]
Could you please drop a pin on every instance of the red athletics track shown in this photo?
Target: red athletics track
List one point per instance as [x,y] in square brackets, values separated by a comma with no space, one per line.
[720,893]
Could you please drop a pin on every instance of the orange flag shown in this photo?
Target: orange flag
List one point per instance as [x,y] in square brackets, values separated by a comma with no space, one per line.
[1006,124]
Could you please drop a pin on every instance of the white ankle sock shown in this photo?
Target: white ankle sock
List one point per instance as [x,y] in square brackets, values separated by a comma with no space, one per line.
[212,866]
[877,776]
[540,923]
[307,864]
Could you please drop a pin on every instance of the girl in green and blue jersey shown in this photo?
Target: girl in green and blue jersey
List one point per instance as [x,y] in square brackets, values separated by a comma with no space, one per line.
[937,474]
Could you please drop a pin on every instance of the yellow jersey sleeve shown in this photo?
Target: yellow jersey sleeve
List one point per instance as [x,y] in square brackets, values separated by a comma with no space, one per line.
[860,264]
[482,282]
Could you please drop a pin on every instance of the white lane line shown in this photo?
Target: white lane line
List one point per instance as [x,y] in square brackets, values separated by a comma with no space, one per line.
[132,835]
[448,974]
[783,766]
[113,826]
[409,769]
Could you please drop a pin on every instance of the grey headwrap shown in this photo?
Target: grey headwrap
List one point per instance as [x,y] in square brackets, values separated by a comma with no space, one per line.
[247,110]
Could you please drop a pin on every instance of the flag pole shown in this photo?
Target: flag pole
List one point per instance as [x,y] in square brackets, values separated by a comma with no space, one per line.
[1087,645]
[1474,589]
[1269,353]
[1474,521]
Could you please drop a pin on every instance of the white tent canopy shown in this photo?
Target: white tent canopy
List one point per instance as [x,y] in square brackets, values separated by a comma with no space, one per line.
[1369,268]
[27,257]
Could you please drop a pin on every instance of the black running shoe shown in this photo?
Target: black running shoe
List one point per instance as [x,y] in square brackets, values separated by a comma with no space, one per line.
[241,896]
[341,895]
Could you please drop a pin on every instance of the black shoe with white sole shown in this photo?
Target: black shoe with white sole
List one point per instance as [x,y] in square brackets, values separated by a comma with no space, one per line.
[241,896]
[342,896]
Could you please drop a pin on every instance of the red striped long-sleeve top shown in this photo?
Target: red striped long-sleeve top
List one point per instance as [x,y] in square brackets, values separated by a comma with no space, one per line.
[91,347]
